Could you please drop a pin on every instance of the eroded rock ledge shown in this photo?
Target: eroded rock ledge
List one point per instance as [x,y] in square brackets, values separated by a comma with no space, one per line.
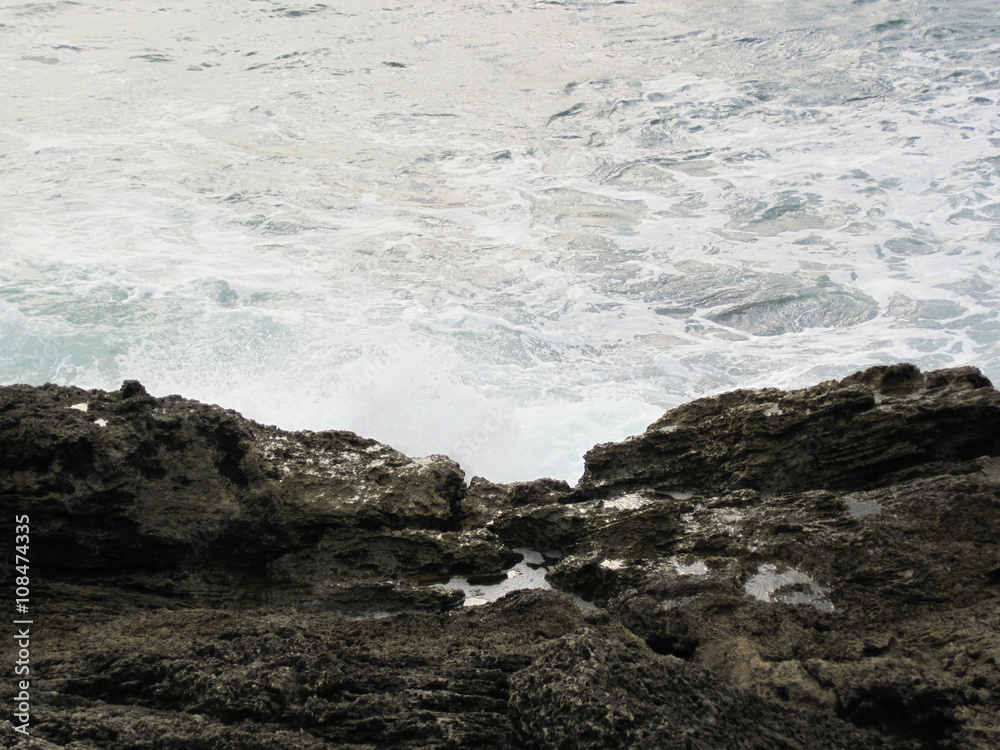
[815,568]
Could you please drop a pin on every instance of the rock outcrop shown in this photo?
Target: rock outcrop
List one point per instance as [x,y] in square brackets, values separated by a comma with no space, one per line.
[766,569]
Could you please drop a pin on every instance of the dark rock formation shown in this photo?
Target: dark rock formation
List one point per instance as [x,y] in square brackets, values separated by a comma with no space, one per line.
[168,497]
[867,430]
[591,690]
[816,568]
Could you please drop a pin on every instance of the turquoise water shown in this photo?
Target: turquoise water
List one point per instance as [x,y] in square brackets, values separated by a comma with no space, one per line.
[503,231]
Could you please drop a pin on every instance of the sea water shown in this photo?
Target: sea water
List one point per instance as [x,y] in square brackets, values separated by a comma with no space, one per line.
[503,231]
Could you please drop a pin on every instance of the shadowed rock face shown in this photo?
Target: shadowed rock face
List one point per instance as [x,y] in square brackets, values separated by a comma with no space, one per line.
[175,498]
[816,568]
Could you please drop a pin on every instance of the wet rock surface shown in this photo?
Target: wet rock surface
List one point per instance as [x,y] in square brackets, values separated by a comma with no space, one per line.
[815,568]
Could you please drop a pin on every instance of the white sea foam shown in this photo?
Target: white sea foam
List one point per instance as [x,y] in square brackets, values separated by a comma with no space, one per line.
[553,223]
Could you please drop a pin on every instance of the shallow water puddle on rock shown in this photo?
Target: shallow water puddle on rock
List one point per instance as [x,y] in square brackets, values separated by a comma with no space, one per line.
[636,500]
[529,573]
[791,586]
[697,568]
[862,507]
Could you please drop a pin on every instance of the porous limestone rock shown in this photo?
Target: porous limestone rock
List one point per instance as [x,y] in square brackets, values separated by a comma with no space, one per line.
[813,568]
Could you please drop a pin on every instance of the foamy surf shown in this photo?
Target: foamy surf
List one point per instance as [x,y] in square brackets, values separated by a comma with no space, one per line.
[501,232]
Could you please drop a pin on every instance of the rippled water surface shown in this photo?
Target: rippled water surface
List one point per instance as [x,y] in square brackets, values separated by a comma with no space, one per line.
[498,230]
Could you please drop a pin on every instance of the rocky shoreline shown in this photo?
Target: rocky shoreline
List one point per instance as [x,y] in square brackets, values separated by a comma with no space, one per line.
[765,569]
